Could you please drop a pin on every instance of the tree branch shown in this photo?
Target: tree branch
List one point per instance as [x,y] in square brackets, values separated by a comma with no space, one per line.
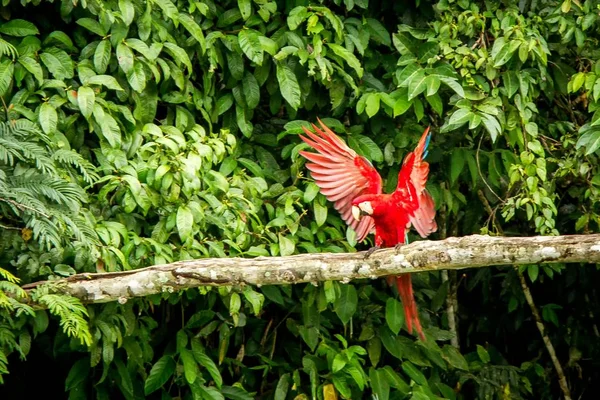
[450,254]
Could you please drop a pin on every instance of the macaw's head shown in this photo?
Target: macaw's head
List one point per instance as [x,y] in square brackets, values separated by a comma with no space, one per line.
[364,205]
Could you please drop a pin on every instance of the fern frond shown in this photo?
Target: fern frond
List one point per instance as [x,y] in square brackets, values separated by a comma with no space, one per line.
[55,189]
[8,276]
[71,314]
[85,167]
[45,232]
[7,49]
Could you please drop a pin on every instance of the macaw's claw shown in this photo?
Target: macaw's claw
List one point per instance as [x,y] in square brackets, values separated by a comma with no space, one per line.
[398,247]
[371,251]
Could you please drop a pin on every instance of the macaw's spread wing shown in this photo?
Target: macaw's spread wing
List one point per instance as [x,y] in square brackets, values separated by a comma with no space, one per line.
[412,179]
[341,174]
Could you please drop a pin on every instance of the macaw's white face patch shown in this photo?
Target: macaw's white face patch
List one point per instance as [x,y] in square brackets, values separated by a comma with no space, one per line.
[364,208]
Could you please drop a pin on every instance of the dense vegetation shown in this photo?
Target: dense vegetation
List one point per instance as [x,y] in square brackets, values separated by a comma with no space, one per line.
[136,133]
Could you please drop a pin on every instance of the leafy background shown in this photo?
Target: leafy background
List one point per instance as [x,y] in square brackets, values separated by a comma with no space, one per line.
[136,133]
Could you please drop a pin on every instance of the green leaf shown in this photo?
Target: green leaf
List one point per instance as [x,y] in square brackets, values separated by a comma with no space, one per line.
[194,29]
[33,67]
[483,354]
[286,246]
[127,12]
[102,56]
[58,62]
[296,17]
[506,52]
[346,303]
[454,358]
[417,85]
[245,7]
[378,32]
[210,366]
[179,55]
[190,367]
[185,222]
[48,118]
[492,125]
[511,83]
[282,388]
[379,383]
[320,213]
[394,315]
[256,300]
[372,104]
[168,8]
[136,77]
[414,373]
[288,85]
[86,99]
[250,43]
[19,28]
[92,25]
[457,164]
[106,80]
[251,90]
[350,58]
[125,57]
[160,373]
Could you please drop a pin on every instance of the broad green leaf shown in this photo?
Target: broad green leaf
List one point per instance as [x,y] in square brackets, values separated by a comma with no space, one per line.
[185,222]
[168,8]
[190,367]
[160,373]
[33,67]
[125,57]
[417,84]
[491,125]
[457,164]
[454,358]
[58,62]
[296,17]
[511,82]
[282,387]
[346,303]
[19,28]
[48,118]
[179,55]
[379,383]
[102,56]
[210,366]
[106,80]
[350,58]
[245,7]
[256,299]
[127,12]
[414,373]
[250,43]
[251,90]
[194,29]
[286,246]
[86,99]
[7,69]
[92,25]
[372,104]
[483,354]
[394,315]
[136,77]
[288,85]
[378,32]
[320,213]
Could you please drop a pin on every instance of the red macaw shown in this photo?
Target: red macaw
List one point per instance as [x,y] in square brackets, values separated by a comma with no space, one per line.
[352,183]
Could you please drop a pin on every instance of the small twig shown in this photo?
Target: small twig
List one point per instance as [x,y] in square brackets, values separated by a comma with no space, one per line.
[10,227]
[451,297]
[479,170]
[536,315]
[562,380]
[23,206]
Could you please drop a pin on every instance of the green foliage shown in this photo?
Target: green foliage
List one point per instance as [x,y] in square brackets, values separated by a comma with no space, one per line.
[137,133]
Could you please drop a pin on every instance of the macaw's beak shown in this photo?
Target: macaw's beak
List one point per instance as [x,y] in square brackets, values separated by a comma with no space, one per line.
[356,213]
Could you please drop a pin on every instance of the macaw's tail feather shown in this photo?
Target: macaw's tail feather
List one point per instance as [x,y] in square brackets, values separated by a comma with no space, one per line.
[404,285]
